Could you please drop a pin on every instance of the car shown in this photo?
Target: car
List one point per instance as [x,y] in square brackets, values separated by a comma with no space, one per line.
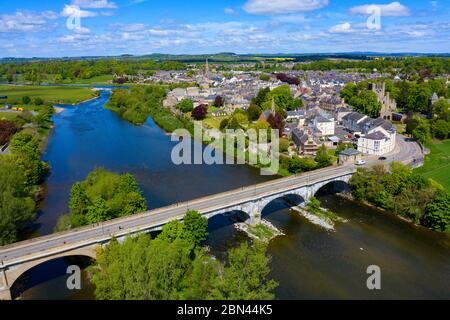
[382,158]
[361,162]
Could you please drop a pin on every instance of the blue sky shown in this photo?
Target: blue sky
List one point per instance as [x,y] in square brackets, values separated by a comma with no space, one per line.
[50,28]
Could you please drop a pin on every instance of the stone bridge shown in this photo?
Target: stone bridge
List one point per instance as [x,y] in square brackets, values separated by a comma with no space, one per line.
[18,258]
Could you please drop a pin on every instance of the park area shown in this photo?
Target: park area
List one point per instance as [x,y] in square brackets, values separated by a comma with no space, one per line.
[50,94]
[437,164]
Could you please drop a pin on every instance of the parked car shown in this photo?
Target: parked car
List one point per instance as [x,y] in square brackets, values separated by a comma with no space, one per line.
[361,162]
[382,158]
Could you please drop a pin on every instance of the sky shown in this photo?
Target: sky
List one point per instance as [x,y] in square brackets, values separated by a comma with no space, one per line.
[60,28]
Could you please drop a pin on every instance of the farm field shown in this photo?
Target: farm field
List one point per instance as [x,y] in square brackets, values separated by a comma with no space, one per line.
[437,164]
[69,95]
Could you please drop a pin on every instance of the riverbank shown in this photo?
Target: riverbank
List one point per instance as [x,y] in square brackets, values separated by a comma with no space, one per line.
[348,196]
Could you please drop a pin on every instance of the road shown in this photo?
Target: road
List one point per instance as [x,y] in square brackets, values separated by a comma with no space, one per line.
[406,152]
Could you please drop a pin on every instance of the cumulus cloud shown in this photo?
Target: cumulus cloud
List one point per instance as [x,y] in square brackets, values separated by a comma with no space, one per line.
[341,28]
[24,21]
[264,7]
[393,9]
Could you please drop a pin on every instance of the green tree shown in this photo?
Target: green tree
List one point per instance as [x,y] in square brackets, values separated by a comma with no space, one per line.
[438,212]
[323,158]
[246,274]
[186,105]
[26,100]
[196,226]
[102,196]
[16,203]
[254,112]
[441,129]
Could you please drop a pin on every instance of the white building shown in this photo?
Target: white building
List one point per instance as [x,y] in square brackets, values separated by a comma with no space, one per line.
[377,136]
[326,126]
[376,143]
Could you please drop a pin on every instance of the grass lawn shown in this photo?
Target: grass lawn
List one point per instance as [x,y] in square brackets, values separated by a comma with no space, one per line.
[69,95]
[437,164]
[10,116]
[213,122]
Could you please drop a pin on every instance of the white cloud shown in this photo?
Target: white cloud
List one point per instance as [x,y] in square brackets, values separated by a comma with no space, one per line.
[341,28]
[393,9]
[75,11]
[94,4]
[265,7]
[23,21]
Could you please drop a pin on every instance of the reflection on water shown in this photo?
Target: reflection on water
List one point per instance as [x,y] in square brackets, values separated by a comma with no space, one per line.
[309,263]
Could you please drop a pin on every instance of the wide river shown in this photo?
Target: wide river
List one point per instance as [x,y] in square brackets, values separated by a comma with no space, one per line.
[308,262]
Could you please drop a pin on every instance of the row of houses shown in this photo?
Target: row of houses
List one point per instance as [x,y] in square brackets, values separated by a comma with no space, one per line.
[310,129]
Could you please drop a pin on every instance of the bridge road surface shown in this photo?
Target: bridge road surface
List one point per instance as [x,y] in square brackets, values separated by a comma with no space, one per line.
[56,243]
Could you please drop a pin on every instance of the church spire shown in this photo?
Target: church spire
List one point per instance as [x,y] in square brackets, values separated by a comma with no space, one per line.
[207,68]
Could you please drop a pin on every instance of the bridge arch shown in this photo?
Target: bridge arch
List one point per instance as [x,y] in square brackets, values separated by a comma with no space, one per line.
[50,270]
[227,218]
[332,187]
[15,272]
[284,201]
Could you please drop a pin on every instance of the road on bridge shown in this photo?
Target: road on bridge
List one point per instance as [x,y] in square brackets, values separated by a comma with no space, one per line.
[406,151]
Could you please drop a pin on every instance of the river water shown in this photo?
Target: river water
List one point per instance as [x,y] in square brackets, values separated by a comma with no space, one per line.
[308,262]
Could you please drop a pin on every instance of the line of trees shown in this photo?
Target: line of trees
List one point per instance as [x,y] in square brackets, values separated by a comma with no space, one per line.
[176,266]
[404,193]
[411,68]
[21,173]
[66,71]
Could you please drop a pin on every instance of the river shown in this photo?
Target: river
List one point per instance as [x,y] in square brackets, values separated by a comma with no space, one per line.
[309,263]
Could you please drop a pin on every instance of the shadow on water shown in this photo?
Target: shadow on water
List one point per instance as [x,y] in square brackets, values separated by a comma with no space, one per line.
[51,282]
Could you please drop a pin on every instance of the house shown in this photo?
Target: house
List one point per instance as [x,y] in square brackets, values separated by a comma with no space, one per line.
[297,116]
[324,125]
[340,113]
[349,156]
[376,143]
[305,142]
[351,121]
[376,136]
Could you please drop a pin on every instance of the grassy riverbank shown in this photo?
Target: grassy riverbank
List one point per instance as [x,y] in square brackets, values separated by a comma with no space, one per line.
[437,164]
[49,94]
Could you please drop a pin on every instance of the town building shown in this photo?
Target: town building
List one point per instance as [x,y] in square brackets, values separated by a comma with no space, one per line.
[388,105]
[375,136]
[306,143]
[349,156]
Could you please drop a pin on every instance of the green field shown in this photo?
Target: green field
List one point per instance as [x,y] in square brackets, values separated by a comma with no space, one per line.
[437,164]
[69,95]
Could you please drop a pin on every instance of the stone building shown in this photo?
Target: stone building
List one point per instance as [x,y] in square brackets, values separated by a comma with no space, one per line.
[388,105]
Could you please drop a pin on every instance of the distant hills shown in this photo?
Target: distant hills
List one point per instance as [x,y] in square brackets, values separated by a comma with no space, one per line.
[233,57]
